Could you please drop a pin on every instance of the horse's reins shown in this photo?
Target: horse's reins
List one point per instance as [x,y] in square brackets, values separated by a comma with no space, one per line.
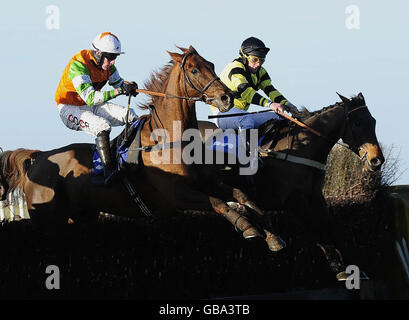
[303,125]
[167,95]
[305,161]
[186,77]
[299,123]
[203,96]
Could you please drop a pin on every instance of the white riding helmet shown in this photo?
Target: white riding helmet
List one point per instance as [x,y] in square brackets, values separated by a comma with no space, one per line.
[107,42]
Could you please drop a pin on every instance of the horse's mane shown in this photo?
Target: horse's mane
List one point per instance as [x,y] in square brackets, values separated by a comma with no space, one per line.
[12,167]
[305,114]
[158,80]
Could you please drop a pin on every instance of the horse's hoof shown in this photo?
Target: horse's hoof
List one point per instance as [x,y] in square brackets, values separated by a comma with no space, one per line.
[275,243]
[241,209]
[343,276]
[251,233]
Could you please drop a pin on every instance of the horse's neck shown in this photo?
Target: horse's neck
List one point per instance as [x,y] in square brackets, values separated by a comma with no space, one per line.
[176,115]
[329,123]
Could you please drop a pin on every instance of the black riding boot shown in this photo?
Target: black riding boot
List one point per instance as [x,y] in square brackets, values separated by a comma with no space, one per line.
[102,144]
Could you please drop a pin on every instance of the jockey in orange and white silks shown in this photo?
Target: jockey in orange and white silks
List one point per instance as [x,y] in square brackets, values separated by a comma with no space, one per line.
[81,103]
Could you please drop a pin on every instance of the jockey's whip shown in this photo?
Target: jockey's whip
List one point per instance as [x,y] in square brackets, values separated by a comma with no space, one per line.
[127,117]
[236,114]
[303,125]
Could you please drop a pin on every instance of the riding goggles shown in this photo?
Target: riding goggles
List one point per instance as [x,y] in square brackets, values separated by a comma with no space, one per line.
[254,59]
[110,56]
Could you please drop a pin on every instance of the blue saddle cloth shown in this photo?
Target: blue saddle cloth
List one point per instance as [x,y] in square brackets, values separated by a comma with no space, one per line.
[230,142]
[121,149]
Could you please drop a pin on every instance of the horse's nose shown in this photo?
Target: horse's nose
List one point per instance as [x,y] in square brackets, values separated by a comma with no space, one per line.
[376,163]
[225,99]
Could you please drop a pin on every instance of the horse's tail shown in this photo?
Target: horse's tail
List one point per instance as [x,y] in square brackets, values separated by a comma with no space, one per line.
[13,168]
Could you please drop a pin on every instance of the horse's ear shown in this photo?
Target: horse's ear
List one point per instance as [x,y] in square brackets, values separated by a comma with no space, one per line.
[192,49]
[175,56]
[184,50]
[344,99]
[361,97]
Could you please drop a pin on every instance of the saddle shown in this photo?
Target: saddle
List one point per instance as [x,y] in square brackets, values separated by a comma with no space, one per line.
[232,142]
[125,150]
[271,132]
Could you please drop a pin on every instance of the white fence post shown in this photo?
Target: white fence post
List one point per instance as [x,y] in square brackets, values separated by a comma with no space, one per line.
[2,211]
[14,206]
[21,201]
[12,203]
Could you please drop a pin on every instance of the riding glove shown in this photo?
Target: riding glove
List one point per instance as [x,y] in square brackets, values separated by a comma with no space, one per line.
[128,88]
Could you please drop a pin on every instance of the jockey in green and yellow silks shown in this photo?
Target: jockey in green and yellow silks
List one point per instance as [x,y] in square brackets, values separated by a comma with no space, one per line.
[245,76]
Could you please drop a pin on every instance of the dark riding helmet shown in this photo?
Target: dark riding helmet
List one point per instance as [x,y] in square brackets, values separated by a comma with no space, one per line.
[255,47]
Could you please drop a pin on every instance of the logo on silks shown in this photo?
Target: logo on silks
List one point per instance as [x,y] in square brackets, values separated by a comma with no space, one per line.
[78,122]
[237,147]
[98,167]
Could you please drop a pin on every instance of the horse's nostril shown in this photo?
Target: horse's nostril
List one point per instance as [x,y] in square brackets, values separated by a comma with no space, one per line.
[225,98]
[375,162]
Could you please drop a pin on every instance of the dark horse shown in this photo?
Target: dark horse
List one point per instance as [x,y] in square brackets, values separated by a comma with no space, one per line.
[292,175]
[57,183]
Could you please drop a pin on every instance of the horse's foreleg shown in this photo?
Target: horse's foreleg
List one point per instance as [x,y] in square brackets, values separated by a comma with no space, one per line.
[274,242]
[239,221]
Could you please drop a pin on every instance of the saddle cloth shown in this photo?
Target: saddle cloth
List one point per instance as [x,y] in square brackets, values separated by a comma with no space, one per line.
[124,153]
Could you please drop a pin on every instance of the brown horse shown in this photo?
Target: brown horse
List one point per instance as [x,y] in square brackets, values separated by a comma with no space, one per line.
[292,174]
[57,183]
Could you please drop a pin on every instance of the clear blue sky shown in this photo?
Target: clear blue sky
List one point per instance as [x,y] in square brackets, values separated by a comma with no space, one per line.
[313,55]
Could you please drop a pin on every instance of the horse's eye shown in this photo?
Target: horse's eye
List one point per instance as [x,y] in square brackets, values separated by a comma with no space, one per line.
[357,123]
[194,71]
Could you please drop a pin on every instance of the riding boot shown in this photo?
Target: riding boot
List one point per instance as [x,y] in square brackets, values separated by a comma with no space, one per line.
[102,144]
[242,224]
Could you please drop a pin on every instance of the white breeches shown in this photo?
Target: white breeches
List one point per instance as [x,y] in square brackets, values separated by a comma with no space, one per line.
[94,119]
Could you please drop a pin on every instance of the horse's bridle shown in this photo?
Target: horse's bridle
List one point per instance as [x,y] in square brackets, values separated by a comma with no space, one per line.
[187,79]
[355,148]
